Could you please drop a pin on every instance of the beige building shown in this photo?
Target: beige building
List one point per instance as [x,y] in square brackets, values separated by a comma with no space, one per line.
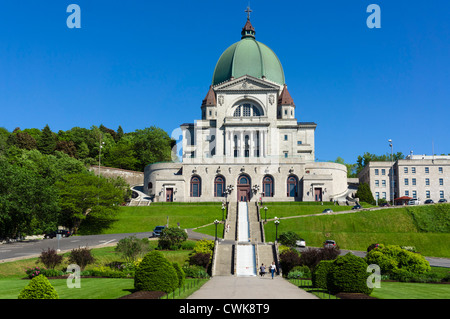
[417,176]
[248,143]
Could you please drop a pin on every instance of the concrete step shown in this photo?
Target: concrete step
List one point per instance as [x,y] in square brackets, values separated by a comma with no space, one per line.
[266,255]
[224,261]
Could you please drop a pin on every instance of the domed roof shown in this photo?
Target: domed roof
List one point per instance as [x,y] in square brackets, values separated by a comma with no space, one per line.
[248,57]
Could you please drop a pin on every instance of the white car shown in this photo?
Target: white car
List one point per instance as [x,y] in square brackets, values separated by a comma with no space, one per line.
[414,201]
[300,243]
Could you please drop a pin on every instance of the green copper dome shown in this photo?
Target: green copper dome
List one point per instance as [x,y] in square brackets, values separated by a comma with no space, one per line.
[248,57]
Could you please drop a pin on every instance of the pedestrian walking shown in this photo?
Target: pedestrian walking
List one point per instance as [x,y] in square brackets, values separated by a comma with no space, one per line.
[273,269]
[262,270]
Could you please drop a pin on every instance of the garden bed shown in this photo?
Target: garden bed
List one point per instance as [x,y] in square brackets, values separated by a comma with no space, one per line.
[144,295]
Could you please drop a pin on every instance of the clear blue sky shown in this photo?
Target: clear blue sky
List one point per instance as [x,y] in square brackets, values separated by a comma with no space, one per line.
[143,63]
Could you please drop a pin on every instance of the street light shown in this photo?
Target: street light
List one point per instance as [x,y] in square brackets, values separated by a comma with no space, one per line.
[392,173]
[216,222]
[223,212]
[276,228]
[265,213]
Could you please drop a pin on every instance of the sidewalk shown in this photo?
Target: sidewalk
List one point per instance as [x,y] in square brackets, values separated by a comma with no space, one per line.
[232,287]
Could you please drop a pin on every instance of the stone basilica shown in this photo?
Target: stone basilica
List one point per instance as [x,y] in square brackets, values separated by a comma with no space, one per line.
[248,144]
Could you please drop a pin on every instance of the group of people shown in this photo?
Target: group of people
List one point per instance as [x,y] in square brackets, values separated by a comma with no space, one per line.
[272,269]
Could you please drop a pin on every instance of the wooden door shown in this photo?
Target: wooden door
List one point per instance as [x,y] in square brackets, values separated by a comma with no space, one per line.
[169,194]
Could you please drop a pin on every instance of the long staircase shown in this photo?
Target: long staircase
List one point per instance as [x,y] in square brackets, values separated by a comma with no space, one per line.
[243,249]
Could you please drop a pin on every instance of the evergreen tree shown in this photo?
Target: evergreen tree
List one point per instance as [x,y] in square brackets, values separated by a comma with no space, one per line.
[47,142]
[365,194]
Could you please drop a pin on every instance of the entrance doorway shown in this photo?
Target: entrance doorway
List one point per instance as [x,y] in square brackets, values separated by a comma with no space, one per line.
[318,194]
[243,188]
[169,194]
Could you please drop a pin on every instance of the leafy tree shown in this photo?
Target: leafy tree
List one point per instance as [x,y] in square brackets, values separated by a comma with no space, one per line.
[87,197]
[362,161]
[22,140]
[172,237]
[152,145]
[131,247]
[122,155]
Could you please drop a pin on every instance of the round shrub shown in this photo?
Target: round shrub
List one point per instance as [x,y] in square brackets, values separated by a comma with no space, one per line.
[288,260]
[288,238]
[320,274]
[39,288]
[155,273]
[180,273]
[348,274]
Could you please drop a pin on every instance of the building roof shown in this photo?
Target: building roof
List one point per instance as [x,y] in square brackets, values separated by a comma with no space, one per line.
[210,99]
[285,98]
[248,57]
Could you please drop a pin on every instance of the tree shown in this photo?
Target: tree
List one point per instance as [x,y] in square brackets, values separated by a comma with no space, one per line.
[172,237]
[38,288]
[365,194]
[362,161]
[85,197]
[156,273]
[131,247]
[152,145]
[47,142]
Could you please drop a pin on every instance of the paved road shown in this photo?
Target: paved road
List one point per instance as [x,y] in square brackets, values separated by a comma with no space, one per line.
[33,248]
[232,287]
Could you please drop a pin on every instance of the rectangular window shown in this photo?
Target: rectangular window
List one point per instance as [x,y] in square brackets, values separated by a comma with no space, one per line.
[441,194]
[441,170]
[383,183]
[414,194]
[377,183]
[413,170]
[376,171]
[427,181]
[406,193]
[377,195]
[299,142]
[383,195]
[383,172]
[406,182]
[285,154]
[441,181]
[405,169]
[414,181]
[285,137]
[428,195]
[427,170]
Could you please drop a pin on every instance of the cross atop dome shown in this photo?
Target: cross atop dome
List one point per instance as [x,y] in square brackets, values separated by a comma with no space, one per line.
[248,30]
[248,12]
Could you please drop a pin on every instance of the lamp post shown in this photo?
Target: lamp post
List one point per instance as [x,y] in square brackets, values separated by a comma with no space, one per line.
[216,222]
[277,222]
[223,212]
[392,173]
[265,213]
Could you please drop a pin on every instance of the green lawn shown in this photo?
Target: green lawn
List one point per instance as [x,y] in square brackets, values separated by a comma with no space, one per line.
[132,219]
[407,290]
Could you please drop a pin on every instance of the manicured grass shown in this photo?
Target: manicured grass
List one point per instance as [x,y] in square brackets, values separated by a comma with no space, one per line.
[132,219]
[407,290]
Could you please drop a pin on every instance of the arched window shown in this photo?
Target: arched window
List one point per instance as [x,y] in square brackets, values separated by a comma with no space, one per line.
[268,186]
[196,186]
[292,186]
[247,110]
[219,186]
[243,180]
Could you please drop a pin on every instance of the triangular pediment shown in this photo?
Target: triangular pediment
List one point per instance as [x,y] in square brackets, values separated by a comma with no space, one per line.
[247,83]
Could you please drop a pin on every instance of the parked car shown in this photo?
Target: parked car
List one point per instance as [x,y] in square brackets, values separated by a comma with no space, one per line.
[62,232]
[429,201]
[442,200]
[158,230]
[326,211]
[414,201]
[357,206]
[329,243]
[300,243]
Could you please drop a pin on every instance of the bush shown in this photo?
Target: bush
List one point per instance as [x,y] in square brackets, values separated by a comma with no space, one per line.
[180,273]
[288,260]
[200,259]
[82,257]
[348,274]
[132,248]
[155,273]
[195,272]
[320,274]
[311,257]
[172,238]
[39,288]
[289,238]
[392,258]
[50,258]
[299,272]
[36,271]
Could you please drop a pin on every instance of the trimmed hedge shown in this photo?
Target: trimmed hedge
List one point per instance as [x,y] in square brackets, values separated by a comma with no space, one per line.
[39,288]
[180,273]
[348,274]
[320,274]
[155,273]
